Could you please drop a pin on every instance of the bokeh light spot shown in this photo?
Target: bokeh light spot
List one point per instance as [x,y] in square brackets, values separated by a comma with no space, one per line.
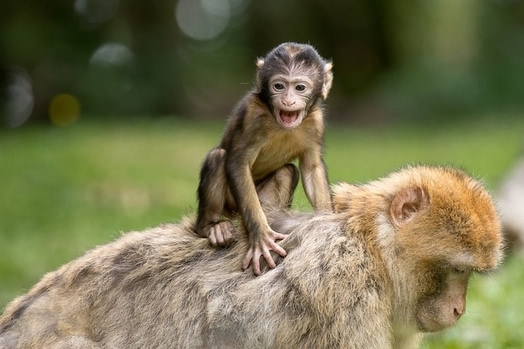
[203,19]
[20,99]
[97,11]
[112,54]
[64,110]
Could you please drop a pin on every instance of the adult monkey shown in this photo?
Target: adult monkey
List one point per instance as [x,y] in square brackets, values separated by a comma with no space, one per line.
[393,262]
[280,120]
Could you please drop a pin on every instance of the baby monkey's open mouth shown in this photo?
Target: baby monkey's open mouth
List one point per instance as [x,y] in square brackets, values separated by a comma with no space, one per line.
[289,118]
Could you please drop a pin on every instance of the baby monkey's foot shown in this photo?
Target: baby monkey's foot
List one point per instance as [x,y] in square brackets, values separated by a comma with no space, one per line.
[220,233]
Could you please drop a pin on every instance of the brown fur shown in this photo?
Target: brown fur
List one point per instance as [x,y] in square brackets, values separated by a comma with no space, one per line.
[366,276]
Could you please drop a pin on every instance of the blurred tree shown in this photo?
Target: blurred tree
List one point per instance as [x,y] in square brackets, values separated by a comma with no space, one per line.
[135,70]
[500,65]
[37,38]
[352,32]
[444,57]
[441,32]
[393,59]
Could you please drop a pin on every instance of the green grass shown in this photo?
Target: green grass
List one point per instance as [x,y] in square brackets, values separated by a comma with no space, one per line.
[63,191]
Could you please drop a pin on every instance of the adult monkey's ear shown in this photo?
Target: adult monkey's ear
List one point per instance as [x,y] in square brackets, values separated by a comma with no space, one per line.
[328,79]
[407,204]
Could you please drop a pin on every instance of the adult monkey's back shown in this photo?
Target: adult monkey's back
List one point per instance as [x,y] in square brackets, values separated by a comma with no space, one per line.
[392,263]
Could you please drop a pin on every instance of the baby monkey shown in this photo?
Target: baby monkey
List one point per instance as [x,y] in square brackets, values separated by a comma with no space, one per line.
[278,121]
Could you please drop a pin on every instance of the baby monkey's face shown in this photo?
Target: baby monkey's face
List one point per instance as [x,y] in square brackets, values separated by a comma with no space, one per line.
[289,96]
[290,80]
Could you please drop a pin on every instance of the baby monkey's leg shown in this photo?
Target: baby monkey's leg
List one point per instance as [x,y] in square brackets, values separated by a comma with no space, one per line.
[276,191]
[213,199]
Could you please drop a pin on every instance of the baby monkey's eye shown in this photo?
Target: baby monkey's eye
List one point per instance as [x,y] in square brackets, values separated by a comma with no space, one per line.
[300,87]
[279,86]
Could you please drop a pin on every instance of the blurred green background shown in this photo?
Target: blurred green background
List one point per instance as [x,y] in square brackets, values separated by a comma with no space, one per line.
[109,106]
[394,60]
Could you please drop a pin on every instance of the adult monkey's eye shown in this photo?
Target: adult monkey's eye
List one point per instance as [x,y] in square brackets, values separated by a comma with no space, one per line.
[279,86]
[459,270]
[300,87]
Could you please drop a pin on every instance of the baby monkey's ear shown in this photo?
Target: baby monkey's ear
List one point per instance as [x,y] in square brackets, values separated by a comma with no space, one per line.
[260,63]
[328,80]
